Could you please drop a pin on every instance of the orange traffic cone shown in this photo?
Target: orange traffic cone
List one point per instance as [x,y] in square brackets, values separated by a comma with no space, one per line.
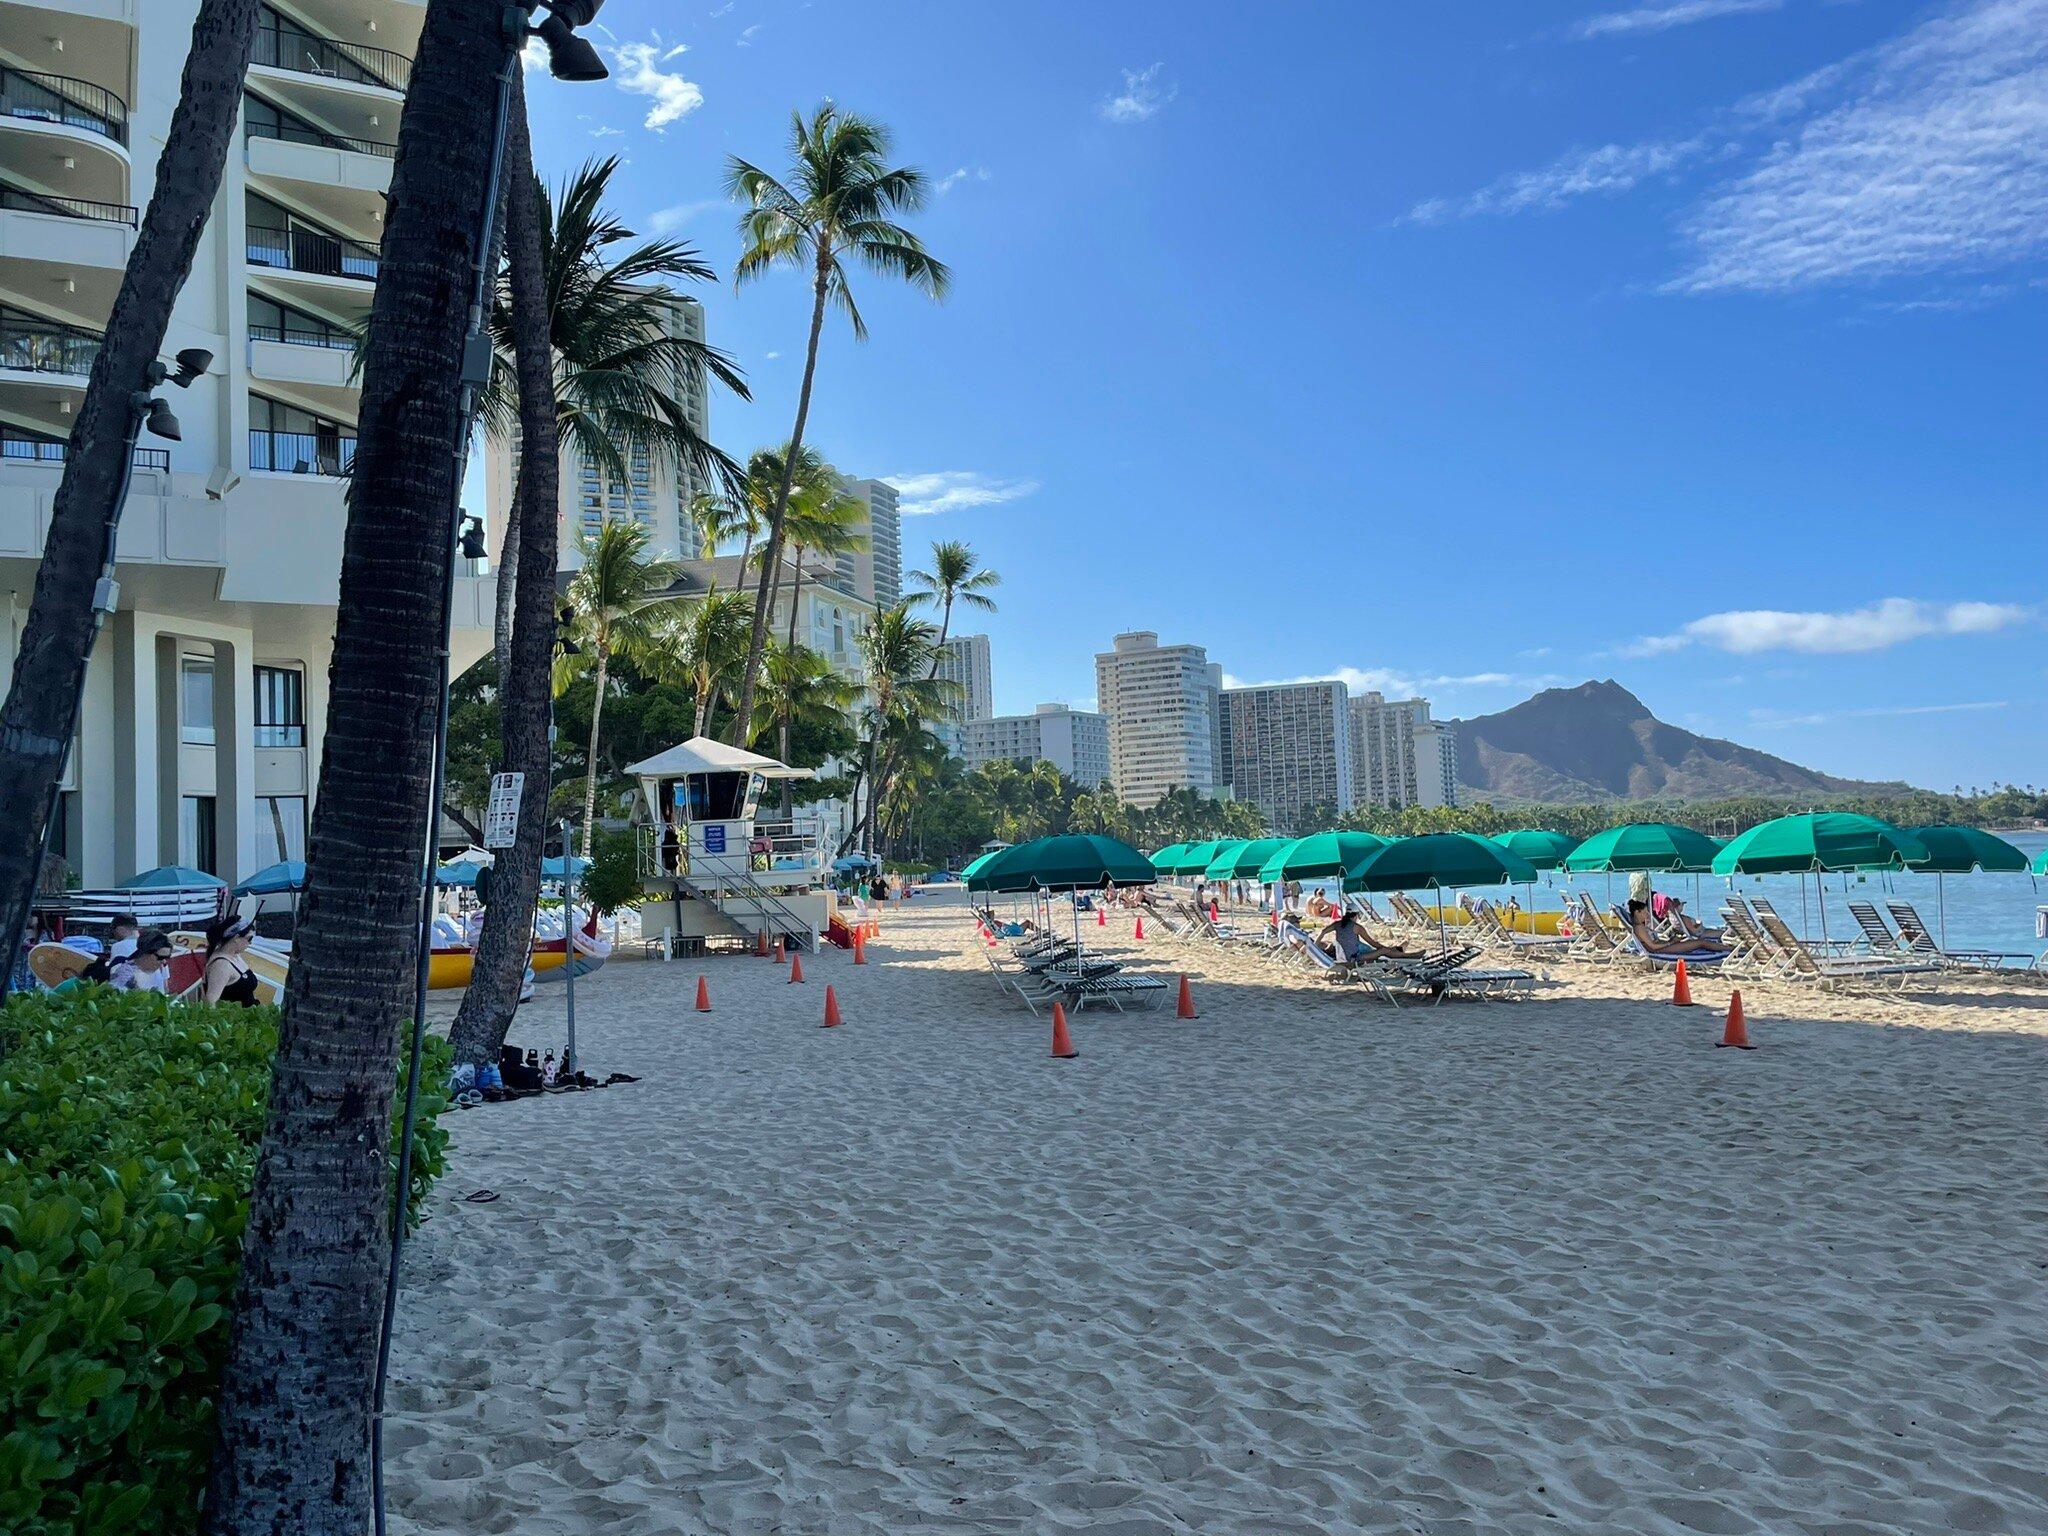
[1187,998]
[832,1019]
[778,949]
[1139,931]
[1102,916]
[761,942]
[1062,1043]
[703,995]
[860,948]
[1737,1033]
[1681,989]
[796,968]
[1214,915]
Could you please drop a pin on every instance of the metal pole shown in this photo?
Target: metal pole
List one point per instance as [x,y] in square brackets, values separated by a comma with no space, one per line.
[569,945]
[471,386]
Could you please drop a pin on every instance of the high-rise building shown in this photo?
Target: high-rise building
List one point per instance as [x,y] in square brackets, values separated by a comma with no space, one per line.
[1401,757]
[964,662]
[1161,702]
[874,573]
[205,704]
[1075,741]
[643,488]
[1287,749]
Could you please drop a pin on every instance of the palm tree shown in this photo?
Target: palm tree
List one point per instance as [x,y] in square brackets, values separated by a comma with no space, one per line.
[799,689]
[956,576]
[896,652]
[41,713]
[618,598]
[840,197]
[492,997]
[719,519]
[292,1423]
[822,519]
[623,369]
[705,644]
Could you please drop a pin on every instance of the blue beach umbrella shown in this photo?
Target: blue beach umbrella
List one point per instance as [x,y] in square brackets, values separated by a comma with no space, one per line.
[275,879]
[170,877]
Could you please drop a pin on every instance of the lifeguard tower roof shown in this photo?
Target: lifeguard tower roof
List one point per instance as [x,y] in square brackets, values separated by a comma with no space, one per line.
[700,754]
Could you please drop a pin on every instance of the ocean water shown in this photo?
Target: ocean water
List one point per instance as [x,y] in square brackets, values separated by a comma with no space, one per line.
[1983,911]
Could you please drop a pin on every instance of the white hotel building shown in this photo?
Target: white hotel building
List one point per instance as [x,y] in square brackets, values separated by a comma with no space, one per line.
[200,737]
[1287,750]
[1075,741]
[1164,723]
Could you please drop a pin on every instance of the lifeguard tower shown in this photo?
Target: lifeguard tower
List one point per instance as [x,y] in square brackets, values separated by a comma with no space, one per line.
[715,872]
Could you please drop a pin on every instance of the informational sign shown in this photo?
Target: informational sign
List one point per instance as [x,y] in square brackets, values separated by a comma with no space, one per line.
[714,839]
[501,820]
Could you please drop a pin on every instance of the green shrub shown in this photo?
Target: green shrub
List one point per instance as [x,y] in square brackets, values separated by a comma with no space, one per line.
[613,879]
[128,1137]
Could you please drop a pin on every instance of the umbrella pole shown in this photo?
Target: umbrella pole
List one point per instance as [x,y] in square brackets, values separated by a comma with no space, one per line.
[1941,895]
[1820,885]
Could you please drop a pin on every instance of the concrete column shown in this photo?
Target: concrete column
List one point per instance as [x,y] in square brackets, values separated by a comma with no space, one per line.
[234,758]
[170,782]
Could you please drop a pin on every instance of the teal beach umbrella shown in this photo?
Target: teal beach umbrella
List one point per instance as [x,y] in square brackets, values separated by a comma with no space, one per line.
[1320,856]
[1539,846]
[1658,846]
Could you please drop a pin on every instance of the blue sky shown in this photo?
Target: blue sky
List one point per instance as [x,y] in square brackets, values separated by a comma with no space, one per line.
[1469,347]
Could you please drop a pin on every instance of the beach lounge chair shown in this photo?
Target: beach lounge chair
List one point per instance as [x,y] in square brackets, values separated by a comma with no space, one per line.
[1763,907]
[1451,974]
[1753,954]
[1877,933]
[1833,971]
[1631,948]
[1920,941]
[1592,938]
[1492,927]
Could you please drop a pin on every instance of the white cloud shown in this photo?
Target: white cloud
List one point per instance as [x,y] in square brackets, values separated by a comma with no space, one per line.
[640,74]
[966,173]
[605,131]
[1143,96]
[534,55]
[1929,152]
[666,221]
[1766,720]
[746,38]
[1602,172]
[955,490]
[1880,626]
[1673,13]
[771,356]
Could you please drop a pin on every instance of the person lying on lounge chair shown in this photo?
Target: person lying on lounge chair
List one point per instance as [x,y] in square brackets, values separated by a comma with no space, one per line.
[1673,912]
[1349,942]
[1641,920]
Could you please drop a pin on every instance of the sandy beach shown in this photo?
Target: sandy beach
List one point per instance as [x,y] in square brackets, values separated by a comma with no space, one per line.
[1304,1264]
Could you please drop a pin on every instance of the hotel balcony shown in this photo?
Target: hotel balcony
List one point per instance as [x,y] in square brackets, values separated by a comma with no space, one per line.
[326,454]
[318,365]
[43,369]
[63,135]
[339,178]
[314,267]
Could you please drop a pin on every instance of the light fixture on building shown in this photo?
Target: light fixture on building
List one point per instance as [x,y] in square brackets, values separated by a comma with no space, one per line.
[471,540]
[569,57]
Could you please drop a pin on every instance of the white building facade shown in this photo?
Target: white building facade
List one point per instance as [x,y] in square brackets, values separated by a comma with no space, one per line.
[1164,725]
[1075,741]
[874,573]
[1287,749]
[964,662]
[1400,756]
[200,735]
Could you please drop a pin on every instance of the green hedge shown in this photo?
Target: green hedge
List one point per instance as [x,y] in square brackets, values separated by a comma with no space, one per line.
[128,1137]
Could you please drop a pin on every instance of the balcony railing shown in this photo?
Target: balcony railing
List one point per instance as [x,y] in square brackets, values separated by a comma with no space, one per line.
[28,450]
[39,346]
[352,63]
[295,336]
[41,98]
[66,207]
[301,453]
[308,250]
[292,133]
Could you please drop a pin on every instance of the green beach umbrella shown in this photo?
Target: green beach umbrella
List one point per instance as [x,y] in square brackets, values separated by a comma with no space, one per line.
[1958,850]
[1651,845]
[1195,857]
[1813,843]
[1074,861]
[1320,856]
[1219,867]
[1441,859]
[1164,859]
[1539,846]
[1244,864]
[2040,864]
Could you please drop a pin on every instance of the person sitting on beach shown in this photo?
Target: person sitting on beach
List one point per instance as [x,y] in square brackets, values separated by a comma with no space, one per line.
[227,979]
[1351,943]
[1643,923]
[1670,911]
[1319,906]
[146,967]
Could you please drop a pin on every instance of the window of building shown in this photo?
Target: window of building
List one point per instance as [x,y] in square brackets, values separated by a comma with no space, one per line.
[280,829]
[272,321]
[196,833]
[280,707]
[195,702]
[283,437]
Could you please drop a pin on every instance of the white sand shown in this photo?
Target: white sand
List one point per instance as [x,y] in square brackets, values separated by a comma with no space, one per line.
[1306,1264]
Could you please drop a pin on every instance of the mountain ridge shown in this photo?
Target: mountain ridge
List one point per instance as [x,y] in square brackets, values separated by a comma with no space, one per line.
[1598,741]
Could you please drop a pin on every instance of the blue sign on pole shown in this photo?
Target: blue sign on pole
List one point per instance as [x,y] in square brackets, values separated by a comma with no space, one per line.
[714,839]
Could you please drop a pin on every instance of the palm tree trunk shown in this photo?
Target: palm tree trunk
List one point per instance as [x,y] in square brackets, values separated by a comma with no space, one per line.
[508,579]
[590,763]
[939,649]
[758,644]
[293,1417]
[704,693]
[41,713]
[525,684]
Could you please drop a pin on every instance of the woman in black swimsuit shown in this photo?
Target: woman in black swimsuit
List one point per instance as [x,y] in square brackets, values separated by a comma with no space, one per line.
[227,979]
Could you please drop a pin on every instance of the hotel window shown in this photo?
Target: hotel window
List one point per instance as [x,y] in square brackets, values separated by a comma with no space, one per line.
[195,702]
[280,707]
[196,833]
[280,829]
